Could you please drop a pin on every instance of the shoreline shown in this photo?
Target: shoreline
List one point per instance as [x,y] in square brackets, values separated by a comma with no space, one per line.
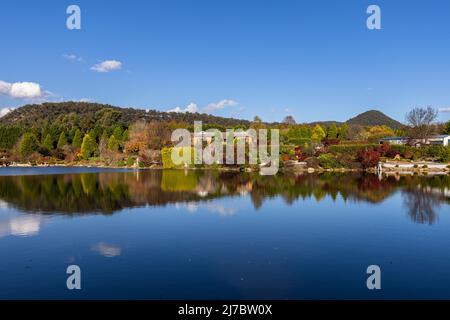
[387,170]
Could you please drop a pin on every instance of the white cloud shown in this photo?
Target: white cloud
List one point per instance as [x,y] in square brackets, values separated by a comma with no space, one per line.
[219,105]
[210,108]
[72,57]
[192,108]
[446,110]
[21,90]
[107,66]
[5,111]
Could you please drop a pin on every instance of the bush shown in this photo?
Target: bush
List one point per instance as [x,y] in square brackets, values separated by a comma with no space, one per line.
[130,162]
[166,155]
[444,155]
[368,158]
[351,148]
[328,161]
[408,154]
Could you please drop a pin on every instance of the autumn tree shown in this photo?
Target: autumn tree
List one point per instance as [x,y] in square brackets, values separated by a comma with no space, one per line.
[138,137]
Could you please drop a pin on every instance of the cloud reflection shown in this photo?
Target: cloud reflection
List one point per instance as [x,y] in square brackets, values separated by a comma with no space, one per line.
[107,250]
[21,226]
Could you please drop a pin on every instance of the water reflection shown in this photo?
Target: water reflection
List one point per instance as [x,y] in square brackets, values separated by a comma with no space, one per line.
[109,192]
[107,250]
[22,226]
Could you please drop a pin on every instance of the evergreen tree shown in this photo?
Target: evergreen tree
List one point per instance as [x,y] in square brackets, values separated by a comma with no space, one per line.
[87,147]
[77,139]
[62,141]
[118,132]
[343,131]
[332,132]
[113,143]
[48,142]
[28,144]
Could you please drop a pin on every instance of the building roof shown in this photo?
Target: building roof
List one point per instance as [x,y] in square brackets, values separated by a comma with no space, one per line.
[394,138]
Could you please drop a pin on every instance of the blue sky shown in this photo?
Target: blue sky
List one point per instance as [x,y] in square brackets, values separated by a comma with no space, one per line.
[315,60]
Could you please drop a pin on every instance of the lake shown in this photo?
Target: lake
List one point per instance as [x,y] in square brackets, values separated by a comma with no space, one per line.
[222,235]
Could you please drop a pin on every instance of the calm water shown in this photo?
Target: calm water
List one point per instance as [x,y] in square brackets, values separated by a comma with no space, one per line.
[211,235]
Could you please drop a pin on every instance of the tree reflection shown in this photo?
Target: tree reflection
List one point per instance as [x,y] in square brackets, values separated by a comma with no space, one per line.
[421,205]
[108,192]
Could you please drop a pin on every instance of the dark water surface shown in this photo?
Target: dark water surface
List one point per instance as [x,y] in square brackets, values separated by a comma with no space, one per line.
[211,235]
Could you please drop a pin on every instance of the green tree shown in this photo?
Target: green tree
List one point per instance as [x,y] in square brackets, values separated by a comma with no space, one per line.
[343,131]
[332,131]
[87,147]
[48,142]
[62,141]
[318,133]
[113,143]
[118,133]
[77,139]
[447,128]
[28,144]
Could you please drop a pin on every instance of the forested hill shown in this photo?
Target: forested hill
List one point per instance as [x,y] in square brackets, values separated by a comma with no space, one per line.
[374,118]
[87,115]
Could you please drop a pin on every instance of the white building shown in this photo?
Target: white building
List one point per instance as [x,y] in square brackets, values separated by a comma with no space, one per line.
[440,140]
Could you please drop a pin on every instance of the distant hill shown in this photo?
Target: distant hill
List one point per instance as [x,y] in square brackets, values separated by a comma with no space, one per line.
[326,123]
[86,115]
[374,118]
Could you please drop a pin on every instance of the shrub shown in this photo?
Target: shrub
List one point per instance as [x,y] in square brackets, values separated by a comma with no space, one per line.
[351,148]
[433,151]
[330,142]
[444,155]
[166,155]
[328,161]
[408,154]
[130,162]
[368,158]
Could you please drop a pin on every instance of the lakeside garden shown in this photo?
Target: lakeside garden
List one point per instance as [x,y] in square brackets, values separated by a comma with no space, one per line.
[108,136]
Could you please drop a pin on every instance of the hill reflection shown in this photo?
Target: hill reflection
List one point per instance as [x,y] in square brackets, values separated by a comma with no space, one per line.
[108,192]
